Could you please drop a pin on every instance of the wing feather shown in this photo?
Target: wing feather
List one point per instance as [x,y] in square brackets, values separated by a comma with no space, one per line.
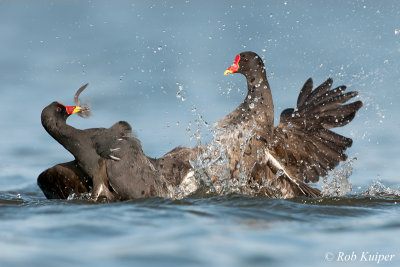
[302,139]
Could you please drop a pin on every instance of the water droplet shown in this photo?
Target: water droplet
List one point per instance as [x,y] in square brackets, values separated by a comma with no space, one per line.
[181,93]
[159,48]
[396,31]
[251,105]
[264,50]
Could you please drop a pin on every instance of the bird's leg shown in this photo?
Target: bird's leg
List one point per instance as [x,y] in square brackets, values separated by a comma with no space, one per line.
[100,183]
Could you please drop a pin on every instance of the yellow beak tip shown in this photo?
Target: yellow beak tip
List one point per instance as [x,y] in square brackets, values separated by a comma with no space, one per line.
[227,71]
[77,109]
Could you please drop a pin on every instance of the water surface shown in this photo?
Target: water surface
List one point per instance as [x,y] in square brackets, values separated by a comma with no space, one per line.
[137,56]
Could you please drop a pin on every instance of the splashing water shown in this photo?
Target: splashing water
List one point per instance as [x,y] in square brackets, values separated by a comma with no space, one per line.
[379,189]
[212,165]
[80,196]
[337,183]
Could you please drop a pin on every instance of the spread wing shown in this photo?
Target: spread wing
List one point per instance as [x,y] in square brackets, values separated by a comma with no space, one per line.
[303,140]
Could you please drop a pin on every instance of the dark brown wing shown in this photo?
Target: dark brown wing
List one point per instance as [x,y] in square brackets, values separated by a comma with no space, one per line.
[302,139]
[108,142]
[175,165]
[129,171]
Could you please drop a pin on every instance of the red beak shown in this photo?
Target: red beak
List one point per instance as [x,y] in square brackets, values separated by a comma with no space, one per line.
[235,66]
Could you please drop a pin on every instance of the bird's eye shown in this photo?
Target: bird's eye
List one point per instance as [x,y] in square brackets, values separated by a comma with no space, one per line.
[58,109]
[245,59]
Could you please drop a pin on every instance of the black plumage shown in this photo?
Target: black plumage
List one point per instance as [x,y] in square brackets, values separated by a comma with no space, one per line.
[301,148]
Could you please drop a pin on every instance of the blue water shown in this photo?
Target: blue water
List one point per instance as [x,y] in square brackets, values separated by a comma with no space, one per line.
[136,57]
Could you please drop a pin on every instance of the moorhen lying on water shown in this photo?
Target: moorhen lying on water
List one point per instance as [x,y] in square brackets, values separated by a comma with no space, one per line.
[109,162]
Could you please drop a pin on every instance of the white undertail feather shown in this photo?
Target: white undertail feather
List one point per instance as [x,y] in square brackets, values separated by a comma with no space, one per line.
[274,162]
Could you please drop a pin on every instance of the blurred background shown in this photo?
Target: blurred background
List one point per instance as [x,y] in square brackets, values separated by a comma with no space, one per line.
[159,65]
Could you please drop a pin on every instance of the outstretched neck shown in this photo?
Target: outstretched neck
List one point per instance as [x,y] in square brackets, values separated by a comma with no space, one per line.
[259,99]
[64,134]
